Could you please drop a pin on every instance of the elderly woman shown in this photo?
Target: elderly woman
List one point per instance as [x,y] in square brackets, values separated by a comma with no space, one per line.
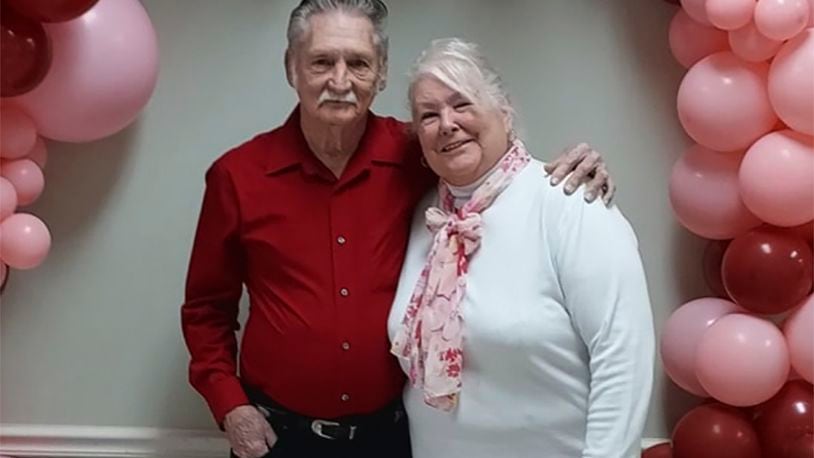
[522,315]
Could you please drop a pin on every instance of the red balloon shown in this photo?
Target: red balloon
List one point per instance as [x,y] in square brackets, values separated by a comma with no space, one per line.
[52,10]
[715,430]
[4,273]
[25,53]
[785,418]
[767,271]
[803,447]
[664,450]
[713,256]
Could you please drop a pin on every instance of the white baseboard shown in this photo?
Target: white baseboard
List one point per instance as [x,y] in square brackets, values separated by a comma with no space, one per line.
[53,441]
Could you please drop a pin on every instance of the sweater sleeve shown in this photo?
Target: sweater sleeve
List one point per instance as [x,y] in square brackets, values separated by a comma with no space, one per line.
[213,288]
[605,291]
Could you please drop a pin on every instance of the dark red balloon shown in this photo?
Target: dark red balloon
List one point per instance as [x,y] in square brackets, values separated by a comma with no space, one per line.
[715,430]
[785,418]
[52,10]
[4,280]
[713,256]
[802,447]
[25,53]
[658,451]
[767,271]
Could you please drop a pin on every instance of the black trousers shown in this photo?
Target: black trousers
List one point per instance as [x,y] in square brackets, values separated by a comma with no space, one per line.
[382,439]
[389,443]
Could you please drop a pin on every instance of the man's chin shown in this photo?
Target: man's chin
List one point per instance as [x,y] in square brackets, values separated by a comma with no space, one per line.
[341,117]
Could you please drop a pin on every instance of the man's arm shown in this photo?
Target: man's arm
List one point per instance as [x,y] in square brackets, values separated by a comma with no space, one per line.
[213,289]
[588,168]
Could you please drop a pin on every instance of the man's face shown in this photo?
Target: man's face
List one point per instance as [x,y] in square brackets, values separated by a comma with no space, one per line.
[335,68]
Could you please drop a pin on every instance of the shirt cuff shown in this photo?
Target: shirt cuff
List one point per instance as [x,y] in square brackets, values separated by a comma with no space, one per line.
[225,395]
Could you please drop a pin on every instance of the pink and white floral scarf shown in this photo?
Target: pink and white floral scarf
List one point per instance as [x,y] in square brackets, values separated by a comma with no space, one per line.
[431,334]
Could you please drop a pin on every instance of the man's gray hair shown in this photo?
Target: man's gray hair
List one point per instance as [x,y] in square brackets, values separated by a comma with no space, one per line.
[463,68]
[374,10]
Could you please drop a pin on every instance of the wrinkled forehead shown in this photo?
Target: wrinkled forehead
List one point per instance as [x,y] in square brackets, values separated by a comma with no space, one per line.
[430,90]
[340,33]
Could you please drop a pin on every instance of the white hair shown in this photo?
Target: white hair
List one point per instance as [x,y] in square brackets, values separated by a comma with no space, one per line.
[463,68]
[374,10]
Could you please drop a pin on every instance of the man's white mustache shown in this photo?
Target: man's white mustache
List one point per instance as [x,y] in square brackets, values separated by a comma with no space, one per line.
[328,96]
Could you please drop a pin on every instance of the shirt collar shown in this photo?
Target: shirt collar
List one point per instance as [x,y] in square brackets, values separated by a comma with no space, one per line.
[379,144]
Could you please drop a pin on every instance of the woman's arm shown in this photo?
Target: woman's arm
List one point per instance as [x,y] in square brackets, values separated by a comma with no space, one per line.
[605,291]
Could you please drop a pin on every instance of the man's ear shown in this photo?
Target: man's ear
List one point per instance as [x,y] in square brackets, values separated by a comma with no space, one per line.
[289,72]
[382,84]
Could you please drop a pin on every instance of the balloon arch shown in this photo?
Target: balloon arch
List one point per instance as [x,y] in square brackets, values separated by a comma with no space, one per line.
[73,71]
[747,184]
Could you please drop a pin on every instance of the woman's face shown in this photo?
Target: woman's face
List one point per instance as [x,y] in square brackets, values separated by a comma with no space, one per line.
[461,139]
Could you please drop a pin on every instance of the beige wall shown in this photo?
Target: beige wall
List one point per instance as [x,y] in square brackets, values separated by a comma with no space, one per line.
[92,336]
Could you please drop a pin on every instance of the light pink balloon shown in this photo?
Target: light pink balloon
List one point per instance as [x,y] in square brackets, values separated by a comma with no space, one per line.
[691,41]
[104,69]
[680,337]
[790,88]
[742,360]
[39,153]
[697,9]
[781,19]
[750,45]
[723,103]
[17,132]
[8,198]
[730,14]
[705,194]
[799,332]
[26,177]
[777,178]
[25,241]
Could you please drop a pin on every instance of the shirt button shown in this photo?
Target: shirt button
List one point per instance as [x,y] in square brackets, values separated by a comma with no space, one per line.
[345,397]
[345,346]
[344,292]
[341,240]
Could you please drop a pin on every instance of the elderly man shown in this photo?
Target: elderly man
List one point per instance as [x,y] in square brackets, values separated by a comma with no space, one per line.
[313,218]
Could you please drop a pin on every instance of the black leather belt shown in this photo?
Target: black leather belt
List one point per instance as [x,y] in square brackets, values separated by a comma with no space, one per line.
[343,428]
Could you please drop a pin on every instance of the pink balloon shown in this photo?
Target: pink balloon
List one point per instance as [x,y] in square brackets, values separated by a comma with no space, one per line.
[777,178]
[799,332]
[8,198]
[697,9]
[25,241]
[790,88]
[723,103]
[103,72]
[682,334]
[705,194]
[781,19]
[730,14]
[742,360]
[39,153]
[26,177]
[810,13]
[691,41]
[17,132]
[750,45]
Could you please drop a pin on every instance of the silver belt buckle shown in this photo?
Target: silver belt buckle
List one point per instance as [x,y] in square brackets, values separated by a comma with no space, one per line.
[316,427]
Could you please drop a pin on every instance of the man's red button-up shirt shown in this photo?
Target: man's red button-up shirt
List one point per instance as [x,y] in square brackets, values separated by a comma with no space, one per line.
[319,257]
